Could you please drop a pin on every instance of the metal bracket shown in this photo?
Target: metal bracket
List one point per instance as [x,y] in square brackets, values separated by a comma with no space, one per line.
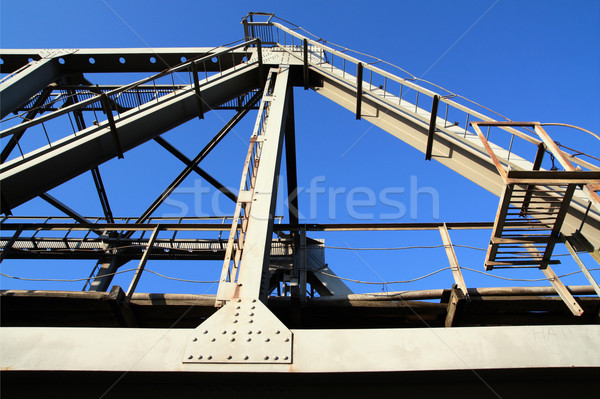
[242,331]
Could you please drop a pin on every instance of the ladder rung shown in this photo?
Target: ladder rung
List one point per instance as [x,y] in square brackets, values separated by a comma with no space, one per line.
[521,262]
[524,240]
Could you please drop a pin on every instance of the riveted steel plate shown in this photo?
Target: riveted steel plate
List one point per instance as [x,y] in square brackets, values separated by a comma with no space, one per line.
[242,331]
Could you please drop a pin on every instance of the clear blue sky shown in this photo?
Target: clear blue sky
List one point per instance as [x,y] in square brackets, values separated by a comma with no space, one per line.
[534,60]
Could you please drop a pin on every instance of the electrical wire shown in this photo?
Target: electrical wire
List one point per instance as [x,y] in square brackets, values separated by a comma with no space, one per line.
[571,126]
[104,275]
[384,282]
[447,268]
[387,249]
[416,247]
[316,271]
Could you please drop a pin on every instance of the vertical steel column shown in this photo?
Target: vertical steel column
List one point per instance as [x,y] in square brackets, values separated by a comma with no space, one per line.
[291,166]
[253,275]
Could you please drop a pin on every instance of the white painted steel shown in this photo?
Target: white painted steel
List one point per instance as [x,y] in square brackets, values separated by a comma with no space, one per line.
[369,350]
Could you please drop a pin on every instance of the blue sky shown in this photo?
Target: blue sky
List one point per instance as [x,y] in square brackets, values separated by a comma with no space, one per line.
[534,61]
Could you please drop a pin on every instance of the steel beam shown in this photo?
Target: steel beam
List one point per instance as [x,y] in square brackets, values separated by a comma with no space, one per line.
[63,208]
[142,264]
[291,164]
[255,257]
[106,269]
[23,179]
[102,195]
[314,351]
[456,272]
[165,144]
[17,90]
[582,266]
[135,59]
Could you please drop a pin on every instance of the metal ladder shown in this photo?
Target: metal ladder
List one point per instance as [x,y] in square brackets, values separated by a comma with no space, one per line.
[237,234]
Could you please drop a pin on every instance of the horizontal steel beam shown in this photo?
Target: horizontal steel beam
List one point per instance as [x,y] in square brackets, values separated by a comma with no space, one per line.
[124,59]
[342,350]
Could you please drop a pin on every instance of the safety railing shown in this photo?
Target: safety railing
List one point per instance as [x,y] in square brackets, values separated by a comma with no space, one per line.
[404,94]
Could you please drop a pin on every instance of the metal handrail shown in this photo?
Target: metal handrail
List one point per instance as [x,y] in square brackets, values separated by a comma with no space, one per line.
[387,76]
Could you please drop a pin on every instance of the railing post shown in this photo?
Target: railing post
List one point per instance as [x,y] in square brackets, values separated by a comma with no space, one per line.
[359,80]
[305,64]
[246,34]
[260,63]
[432,121]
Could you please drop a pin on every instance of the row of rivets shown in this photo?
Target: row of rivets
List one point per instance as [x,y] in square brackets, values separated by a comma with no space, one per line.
[190,357]
[248,340]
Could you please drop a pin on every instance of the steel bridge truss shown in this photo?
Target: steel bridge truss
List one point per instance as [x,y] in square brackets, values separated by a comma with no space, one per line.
[248,325]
